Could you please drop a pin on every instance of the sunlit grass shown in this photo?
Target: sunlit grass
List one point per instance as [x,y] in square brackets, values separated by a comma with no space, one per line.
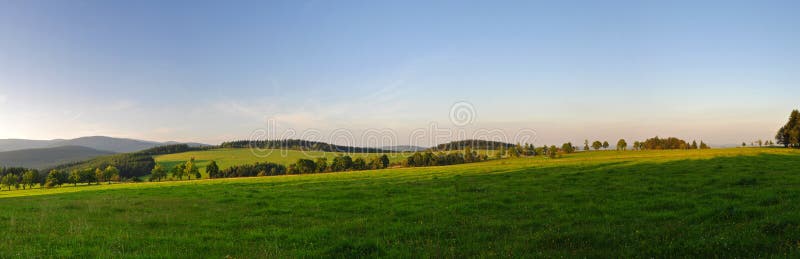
[697,203]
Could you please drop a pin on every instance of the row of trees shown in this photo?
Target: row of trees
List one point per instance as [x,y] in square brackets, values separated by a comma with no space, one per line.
[28,178]
[759,143]
[428,158]
[302,166]
[789,134]
[19,177]
[60,177]
[528,149]
[596,145]
[651,143]
[257,169]
[186,169]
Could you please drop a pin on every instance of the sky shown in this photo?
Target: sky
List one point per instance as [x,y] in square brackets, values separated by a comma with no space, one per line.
[211,71]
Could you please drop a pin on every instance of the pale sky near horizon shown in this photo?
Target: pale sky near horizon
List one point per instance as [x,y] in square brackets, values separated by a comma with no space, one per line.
[211,71]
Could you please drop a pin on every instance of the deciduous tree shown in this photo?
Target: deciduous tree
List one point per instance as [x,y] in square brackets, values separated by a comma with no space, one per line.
[622,145]
[596,145]
[212,169]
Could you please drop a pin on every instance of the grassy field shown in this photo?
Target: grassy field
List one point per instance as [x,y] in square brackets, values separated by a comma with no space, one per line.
[697,203]
[228,157]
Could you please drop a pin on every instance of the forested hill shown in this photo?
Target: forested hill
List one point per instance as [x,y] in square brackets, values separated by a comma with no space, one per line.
[299,144]
[473,144]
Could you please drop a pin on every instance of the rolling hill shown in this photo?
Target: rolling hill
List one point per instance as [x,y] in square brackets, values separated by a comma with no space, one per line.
[103,143]
[40,158]
[404,148]
[227,157]
[718,203]
[19,144]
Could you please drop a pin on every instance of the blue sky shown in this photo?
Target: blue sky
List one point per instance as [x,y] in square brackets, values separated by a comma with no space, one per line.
[210,71]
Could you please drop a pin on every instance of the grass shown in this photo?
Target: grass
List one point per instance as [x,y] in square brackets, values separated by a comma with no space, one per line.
[698,203]
[228,157]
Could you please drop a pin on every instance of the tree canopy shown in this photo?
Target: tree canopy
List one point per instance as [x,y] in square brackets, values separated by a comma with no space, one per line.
[789,134]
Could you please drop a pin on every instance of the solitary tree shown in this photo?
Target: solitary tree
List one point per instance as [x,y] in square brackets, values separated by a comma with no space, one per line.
[157,173]
[75,177]
[29,179]
[212,169]
[605,144]
[597,145]
[110,173]
[585,145]
[622,145]
[100,175]
[9,180]
[191,169]
[552,152]
[384,161]
[567,148]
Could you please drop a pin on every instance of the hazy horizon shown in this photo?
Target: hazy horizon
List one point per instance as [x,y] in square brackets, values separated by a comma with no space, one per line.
[209,72]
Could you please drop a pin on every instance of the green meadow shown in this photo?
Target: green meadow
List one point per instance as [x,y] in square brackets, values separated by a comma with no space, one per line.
[740,202]
[227,157]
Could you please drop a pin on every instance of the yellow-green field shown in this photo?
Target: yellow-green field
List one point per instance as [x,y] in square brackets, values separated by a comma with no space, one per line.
[228,157]
[687,203]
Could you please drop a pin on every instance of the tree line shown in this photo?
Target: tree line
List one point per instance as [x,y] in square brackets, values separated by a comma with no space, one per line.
[19,177]
[428,158]
[474,144]
[28,178]
[655,143]
[299,144]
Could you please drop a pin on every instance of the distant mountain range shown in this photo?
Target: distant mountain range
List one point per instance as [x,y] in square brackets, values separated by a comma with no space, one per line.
[102,143]
[40,158]
[44,153]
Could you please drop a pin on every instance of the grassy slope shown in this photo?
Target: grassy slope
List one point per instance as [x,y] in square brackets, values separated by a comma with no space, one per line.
[598,204]
[237,156]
